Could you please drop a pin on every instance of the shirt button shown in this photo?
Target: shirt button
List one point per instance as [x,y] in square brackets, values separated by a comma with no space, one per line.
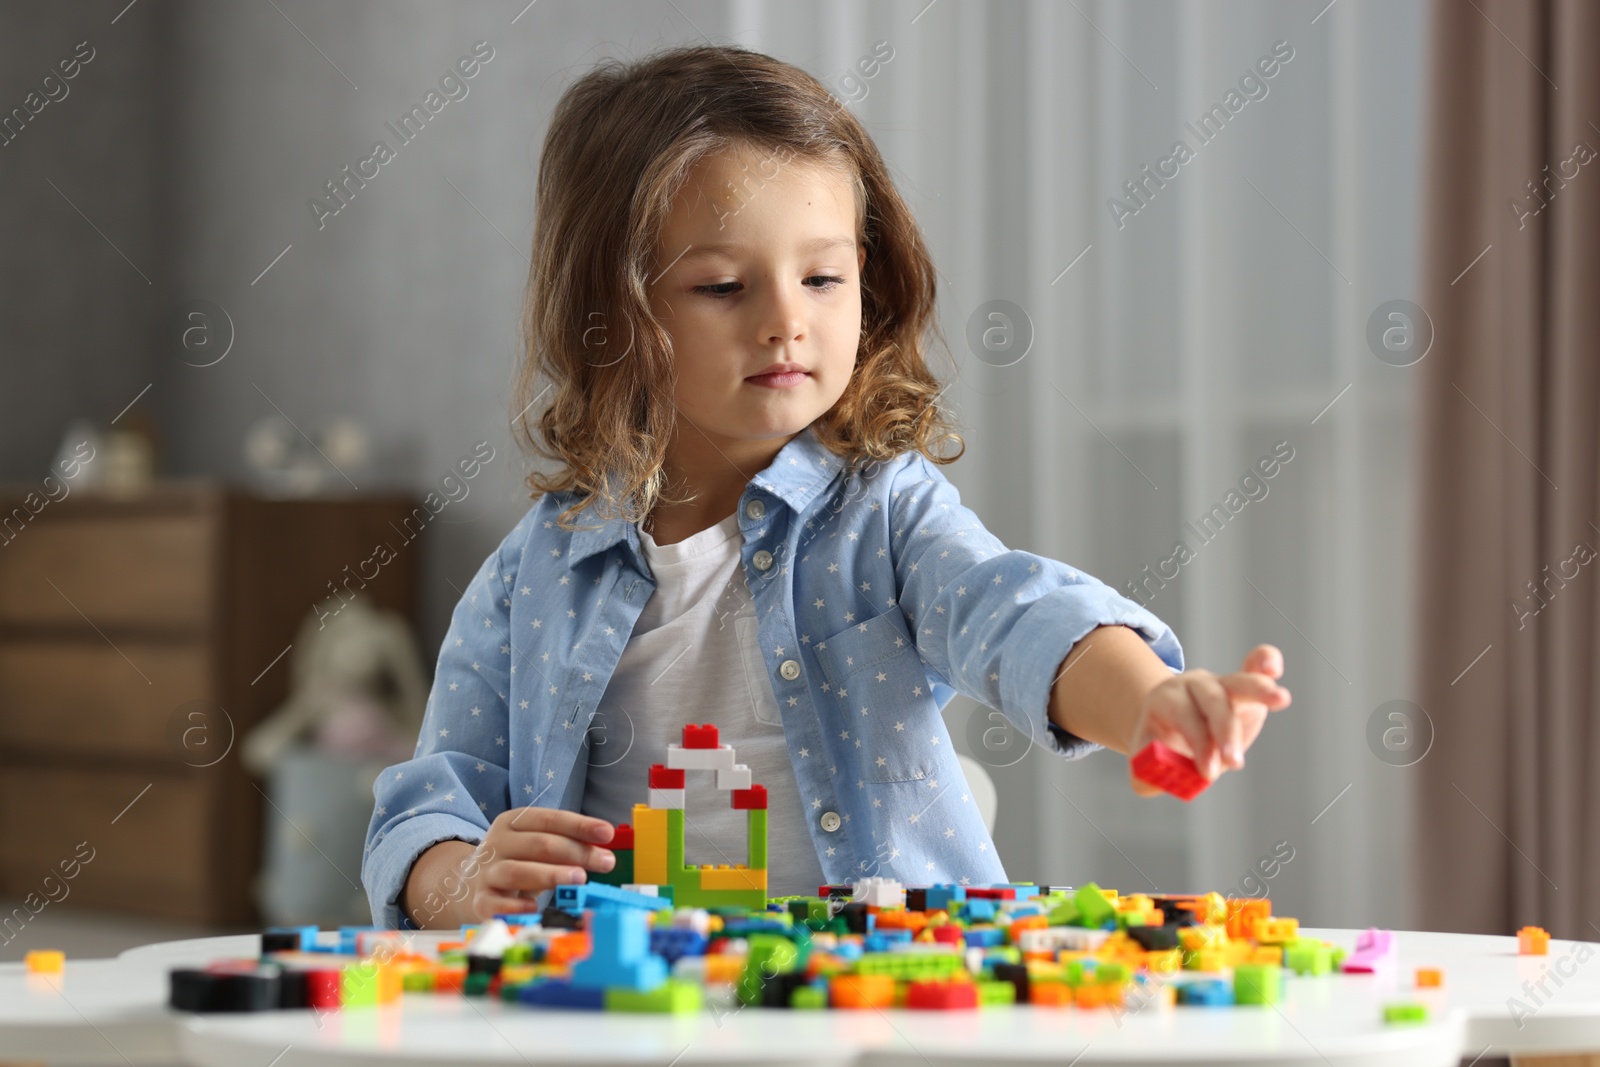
[755,509]
[762,560]
[830,821]
[789,669]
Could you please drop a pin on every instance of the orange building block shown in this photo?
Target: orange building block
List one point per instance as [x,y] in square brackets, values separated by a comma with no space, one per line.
[568,947]
[1429,978]
[861,991]
[1050,994]
[1243,913]
[1533,941]
[724,968]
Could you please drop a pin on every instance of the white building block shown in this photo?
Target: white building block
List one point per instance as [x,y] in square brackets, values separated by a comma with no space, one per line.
[699,759]
[1056,938]
[646,890]
[879,892]
[735,777]
[667,798]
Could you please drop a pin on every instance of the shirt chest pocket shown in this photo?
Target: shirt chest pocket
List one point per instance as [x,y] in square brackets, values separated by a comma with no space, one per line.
[762,699]
[884,699]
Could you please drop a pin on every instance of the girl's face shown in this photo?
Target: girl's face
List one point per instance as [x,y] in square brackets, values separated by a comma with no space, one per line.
[759,266]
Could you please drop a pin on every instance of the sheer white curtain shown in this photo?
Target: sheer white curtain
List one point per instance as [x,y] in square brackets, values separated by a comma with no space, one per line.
[1172,345]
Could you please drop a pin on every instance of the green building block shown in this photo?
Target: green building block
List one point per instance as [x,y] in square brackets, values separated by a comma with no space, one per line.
[814,997]
[1257,983]
[1112,972]
[417,982]
[475,985]
[1094,910]
[1405,1013]
[769,954]
[906,966]
[672,997]
[358,986]
[620,874]
[1306,956]
[1002,954]
[1075,970]
[757,824]
[995,994]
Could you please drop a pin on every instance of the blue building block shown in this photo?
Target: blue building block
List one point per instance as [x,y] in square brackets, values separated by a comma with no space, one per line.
[1024,892]
[985,937]
[559,993]
[1206,993]
[521,918]
[672,943]
[347,937]
[576,898]
[880,940]
[940,897]
[981,911]
[620,956]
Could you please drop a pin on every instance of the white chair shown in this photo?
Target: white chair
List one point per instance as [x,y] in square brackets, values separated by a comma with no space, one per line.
[981,786]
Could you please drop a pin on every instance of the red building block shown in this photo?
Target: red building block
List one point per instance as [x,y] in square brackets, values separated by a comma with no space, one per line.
[621,837]
[1169,770]
[984,893]
[664,777]
[752,799]
[702,736]
[942,995]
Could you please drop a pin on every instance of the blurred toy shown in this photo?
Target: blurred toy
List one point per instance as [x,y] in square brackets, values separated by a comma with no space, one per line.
[356,689]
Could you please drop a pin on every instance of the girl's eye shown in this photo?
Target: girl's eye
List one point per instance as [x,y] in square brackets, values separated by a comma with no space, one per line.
[721,289]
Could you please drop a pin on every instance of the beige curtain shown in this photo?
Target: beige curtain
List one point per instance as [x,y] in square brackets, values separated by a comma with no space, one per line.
[1507,626]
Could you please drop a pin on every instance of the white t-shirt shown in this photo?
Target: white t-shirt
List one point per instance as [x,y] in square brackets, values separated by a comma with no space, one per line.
[694,657]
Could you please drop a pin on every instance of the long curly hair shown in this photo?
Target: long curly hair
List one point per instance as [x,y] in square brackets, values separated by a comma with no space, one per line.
[621,144]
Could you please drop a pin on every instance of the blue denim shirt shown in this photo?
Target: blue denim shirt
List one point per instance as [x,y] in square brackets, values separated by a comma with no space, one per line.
[879,596]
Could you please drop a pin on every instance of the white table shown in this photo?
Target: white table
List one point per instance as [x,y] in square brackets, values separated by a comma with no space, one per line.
[113,1012]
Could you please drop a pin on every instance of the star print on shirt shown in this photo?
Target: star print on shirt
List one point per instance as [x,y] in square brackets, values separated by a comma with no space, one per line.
[926,546]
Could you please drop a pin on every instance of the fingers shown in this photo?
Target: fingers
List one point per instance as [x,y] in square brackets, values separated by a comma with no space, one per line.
[508,877]
[1258,688]
[488,905]
[1221,740]
[558,821]
[1264,659]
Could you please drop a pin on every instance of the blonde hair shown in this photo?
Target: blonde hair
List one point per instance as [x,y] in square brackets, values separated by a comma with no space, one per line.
[620,146]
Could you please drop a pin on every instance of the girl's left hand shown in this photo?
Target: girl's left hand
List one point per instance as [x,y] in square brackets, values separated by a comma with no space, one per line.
[1211,718]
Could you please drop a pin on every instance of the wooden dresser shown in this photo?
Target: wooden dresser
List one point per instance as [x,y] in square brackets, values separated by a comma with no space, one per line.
[141,636]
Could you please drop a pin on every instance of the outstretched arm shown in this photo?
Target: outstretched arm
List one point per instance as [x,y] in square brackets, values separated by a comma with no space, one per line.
[1113,690]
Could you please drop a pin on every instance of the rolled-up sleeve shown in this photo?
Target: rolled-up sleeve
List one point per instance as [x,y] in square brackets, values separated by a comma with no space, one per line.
[995,623]
[456,783]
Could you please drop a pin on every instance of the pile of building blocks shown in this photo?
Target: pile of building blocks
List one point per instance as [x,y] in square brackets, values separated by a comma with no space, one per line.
[941,947]
[656,934]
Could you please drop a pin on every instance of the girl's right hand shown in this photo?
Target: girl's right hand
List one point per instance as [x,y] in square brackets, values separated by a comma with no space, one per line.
[530,850]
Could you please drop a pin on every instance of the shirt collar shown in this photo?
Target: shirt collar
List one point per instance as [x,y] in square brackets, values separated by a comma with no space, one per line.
[801,469]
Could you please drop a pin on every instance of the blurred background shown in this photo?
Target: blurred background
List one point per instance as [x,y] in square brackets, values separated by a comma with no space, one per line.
[295,386]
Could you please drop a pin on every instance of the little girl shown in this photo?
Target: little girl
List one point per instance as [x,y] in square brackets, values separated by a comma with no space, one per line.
[747,526]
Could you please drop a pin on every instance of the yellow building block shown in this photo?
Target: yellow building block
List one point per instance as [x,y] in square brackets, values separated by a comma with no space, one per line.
[724,877]
[1164,961]
[649,845]
[44,961]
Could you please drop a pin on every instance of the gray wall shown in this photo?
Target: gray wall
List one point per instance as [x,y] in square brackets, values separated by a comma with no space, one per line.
[79,323]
